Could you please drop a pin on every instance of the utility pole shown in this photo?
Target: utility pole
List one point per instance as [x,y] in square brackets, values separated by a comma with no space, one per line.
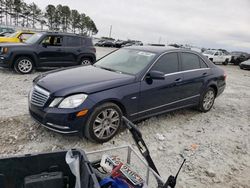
[159,42]
[110,31]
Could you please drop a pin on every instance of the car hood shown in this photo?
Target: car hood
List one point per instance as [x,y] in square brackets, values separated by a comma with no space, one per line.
[86,79]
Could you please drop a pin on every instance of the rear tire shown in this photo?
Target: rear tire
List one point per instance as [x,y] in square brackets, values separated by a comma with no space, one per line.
[104,123]
[86,61]
[24,65]
[207,100]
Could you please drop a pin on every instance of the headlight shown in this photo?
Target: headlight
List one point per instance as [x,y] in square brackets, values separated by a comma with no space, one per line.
[72,101]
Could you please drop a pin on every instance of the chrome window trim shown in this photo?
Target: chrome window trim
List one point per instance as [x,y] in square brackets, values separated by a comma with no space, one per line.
[164,105]
[174,51]
[192,70]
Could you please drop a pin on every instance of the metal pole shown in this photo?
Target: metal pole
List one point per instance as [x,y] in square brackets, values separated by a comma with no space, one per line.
[110,31]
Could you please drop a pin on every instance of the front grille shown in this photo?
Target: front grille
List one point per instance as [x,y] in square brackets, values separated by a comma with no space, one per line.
[39,96]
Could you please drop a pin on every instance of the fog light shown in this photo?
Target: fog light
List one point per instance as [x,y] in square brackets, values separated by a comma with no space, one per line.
[82,113]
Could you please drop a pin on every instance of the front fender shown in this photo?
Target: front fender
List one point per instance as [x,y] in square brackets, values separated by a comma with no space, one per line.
[127,96]
[15,55]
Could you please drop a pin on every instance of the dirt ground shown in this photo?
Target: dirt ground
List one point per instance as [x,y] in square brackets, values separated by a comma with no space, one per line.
[216,144]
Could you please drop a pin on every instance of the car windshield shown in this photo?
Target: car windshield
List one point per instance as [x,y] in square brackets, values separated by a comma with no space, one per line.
[209,52]
[126,61]
[34,38]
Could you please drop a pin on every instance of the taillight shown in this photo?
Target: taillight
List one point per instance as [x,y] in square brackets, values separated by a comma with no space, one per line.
[225,76]
[94,50]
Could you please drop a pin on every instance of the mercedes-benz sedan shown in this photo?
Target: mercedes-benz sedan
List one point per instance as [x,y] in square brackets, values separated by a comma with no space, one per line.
[137,82]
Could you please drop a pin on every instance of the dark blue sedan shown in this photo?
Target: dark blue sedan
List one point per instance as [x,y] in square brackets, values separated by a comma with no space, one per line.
[137,82]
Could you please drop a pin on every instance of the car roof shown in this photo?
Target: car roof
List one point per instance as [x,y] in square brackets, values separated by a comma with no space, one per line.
[153,49]
[160,49]
[62,33]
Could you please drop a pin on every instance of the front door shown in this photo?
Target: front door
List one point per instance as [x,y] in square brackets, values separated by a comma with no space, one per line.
[51,51]
[160,95]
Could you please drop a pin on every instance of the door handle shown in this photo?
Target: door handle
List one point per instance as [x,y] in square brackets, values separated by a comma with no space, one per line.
[59,50]
[204,74]
[178,80]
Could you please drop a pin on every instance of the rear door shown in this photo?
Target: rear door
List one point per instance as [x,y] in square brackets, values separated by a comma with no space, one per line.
[73,48]
[195,71]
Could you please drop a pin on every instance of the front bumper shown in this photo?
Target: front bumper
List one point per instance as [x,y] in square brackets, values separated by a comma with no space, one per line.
[4,62]
[62,121]
[221,88]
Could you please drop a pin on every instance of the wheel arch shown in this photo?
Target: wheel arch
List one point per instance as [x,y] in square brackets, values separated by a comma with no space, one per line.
[31,56]
[90,56]
[212,85]
[115,101]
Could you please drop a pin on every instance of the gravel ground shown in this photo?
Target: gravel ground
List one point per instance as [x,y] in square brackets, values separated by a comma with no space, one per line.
[216,144]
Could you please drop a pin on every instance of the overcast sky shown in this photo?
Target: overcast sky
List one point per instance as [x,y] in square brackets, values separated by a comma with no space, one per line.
[214,23]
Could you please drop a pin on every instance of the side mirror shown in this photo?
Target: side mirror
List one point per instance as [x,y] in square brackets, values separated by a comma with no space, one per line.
[155,75]
[44,45]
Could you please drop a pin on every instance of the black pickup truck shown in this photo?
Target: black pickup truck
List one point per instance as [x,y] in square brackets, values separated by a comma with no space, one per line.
[47,49]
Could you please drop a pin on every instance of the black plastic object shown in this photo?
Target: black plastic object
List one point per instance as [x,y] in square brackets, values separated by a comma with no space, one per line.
[45,180]
[140,143]
[171,182]
[13,170]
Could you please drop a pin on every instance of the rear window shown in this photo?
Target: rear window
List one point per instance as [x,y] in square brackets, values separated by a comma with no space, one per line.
[202,64]
[73,41]
[190,61]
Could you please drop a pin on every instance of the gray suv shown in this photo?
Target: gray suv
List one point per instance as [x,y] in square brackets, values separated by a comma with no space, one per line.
[47,49]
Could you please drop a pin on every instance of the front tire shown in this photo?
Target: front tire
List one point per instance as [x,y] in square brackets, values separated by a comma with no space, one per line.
[23,65]
[225,62]
[104,123]
[207,100]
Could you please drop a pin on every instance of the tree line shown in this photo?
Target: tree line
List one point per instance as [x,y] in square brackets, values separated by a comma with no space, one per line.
[57,18]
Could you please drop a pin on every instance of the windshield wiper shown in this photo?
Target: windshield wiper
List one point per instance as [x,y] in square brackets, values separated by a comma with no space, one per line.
[109,69]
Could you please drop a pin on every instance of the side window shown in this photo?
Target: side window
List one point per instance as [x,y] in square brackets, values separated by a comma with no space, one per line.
[190,61]
[73,41]
[53,40]
[168,63]
[202,64]
[25,36]
[216,54]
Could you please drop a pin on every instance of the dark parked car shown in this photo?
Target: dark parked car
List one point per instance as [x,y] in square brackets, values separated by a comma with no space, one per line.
[137,82]
[132,43]
[7,29]
[245,64]
[47,50]
[105,43]
[5,33]
[238,57]
[120,43]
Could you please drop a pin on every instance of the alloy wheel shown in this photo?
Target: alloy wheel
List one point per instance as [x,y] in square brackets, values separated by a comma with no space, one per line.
[25,66]
[86,62]
[106,123]
[208,100]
